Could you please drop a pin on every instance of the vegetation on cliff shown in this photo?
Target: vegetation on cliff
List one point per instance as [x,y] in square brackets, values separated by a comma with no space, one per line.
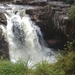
[72,13]
[70,1]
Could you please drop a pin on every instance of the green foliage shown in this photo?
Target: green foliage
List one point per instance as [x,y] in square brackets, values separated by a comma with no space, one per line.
[8,68]
[47,69]
[70,1]
[64,66]
[72,12]
[68,63]
[69,46]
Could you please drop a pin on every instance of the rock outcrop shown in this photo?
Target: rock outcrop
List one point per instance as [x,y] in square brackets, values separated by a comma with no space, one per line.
[4,51]
[3,19]
[31,2]
[52,20]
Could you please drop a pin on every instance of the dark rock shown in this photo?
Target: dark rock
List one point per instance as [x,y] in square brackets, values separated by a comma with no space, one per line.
[18,32]
[59,4]
[40,15]
[39,3]
[31,2]
[4,51]
[43,17]
[3,18]
[22,2]
[60,21]
[51,17]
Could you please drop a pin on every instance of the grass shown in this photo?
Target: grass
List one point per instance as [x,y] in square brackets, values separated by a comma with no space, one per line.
[71,13]
[64,66]
[8,68]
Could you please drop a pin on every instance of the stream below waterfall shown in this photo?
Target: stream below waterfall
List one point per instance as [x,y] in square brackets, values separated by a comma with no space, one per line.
[25,39]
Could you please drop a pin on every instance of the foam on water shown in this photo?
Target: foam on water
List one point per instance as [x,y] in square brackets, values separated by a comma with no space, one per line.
[33,49]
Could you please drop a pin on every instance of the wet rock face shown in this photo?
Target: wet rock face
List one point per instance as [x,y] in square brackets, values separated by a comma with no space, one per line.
[60,21]
[40,15]
[53,21]
[39,3]
[3,19]
[4,51]
[21,1]
[43,17]
[3,43]
[51,17]
[3,47]
[31,2]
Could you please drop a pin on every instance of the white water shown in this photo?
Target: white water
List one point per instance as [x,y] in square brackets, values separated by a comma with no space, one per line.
[25,45]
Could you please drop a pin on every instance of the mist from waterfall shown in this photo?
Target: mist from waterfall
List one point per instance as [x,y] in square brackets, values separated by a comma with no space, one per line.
[25,40]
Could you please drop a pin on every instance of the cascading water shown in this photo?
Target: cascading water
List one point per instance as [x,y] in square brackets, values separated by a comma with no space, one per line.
[25,40]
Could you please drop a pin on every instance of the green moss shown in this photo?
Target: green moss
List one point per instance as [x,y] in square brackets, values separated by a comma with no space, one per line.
[72,12]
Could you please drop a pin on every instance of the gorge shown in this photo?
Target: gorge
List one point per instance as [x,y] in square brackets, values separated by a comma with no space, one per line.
[51,18]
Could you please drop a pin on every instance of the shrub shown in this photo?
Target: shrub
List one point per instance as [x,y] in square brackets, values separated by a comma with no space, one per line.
[8,68]
[70,1]
[64,66]
[72,12]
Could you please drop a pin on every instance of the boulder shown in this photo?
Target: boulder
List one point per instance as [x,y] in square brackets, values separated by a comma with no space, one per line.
[3,18]
[4,51]
[40,15]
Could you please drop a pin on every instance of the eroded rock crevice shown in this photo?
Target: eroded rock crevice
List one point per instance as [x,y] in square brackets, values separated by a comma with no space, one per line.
[52,20]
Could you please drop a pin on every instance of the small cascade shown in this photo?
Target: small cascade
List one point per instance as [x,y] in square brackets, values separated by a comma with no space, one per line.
[18,30]
[25,40]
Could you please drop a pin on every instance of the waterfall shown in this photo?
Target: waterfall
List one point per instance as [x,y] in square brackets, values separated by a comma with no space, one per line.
[25,40]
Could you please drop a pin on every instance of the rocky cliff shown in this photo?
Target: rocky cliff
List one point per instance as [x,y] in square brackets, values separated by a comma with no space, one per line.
[52,19]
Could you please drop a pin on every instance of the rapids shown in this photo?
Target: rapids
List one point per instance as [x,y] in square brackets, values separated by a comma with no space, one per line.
[25,39]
